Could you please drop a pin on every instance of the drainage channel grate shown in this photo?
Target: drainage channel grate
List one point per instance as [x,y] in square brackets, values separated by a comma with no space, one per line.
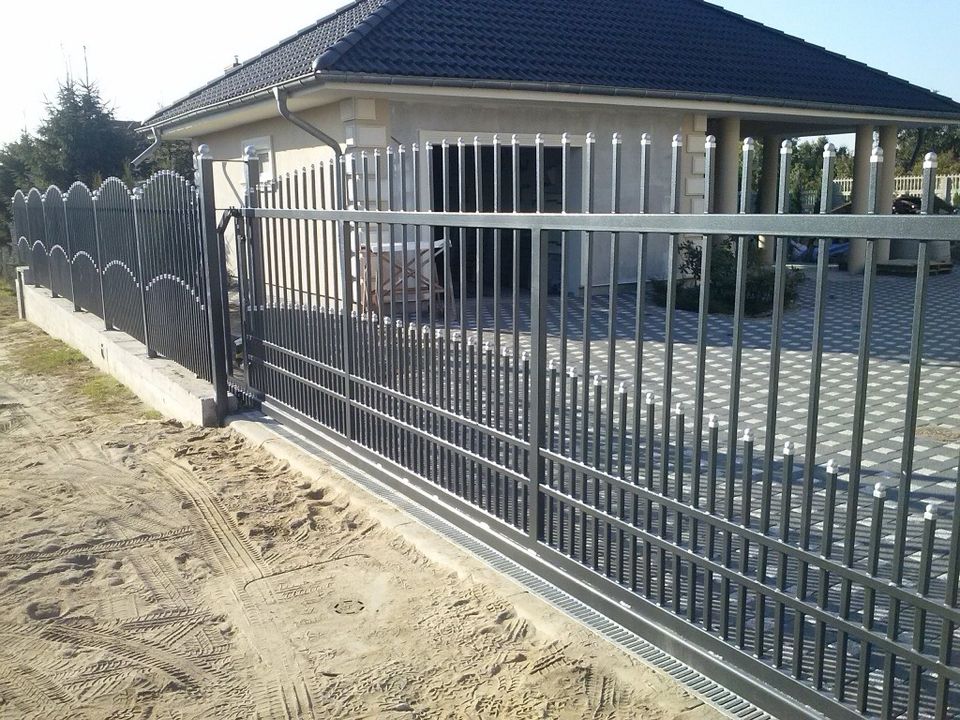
[723,699]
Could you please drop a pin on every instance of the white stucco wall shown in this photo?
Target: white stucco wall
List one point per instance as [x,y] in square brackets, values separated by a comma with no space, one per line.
[365,123]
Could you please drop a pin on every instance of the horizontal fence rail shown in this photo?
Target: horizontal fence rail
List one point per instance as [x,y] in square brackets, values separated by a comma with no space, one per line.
[138,260]
[421,303]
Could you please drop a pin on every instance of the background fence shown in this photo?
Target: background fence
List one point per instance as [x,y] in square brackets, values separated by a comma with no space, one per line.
[137,260]
[947,186]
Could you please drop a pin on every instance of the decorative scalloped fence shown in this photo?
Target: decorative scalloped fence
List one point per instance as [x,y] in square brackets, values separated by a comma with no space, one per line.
[135,259]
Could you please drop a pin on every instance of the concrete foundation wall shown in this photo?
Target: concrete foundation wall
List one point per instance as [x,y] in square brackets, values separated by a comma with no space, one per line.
[168,388]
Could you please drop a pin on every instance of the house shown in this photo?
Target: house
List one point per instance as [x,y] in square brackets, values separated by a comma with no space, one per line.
[380,72]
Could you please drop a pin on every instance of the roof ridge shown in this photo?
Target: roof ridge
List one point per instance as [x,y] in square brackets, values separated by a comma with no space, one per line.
[273,48]
[340,48]
[821,48]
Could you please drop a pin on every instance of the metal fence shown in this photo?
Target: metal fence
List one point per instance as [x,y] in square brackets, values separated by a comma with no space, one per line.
[137,260]
[428,326]
[418,307]
[947,186]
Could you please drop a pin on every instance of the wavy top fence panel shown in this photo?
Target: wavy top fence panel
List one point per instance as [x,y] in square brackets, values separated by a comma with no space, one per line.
[133,259]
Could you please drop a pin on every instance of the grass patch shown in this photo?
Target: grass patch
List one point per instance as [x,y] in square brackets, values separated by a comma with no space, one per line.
[46,356]
[105,393]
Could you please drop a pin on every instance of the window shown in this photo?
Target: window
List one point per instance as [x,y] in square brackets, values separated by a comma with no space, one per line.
[264,151]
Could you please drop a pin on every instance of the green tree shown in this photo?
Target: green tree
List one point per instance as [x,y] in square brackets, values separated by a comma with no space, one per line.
[80,138]
[914,143]
[806,171]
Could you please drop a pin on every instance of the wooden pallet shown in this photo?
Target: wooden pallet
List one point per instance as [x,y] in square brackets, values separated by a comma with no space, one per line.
[909,267]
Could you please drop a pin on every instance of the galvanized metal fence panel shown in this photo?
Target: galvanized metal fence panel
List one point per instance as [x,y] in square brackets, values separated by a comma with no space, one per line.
[36,238]
[554,420]
[139,261]
[171,257]
[57,244]
[85,263]
[122,270]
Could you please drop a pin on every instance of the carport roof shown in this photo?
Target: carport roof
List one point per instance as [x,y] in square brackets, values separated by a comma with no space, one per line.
[657,48]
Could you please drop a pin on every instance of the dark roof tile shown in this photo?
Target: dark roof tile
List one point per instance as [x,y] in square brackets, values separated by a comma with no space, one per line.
[684,46]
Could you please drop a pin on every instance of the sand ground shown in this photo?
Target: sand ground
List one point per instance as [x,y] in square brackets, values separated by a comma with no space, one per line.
[150,570]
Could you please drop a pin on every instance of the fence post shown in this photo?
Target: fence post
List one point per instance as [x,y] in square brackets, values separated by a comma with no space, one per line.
[212,264]
[345,257]
[538,387]
[138,242]
[249,270]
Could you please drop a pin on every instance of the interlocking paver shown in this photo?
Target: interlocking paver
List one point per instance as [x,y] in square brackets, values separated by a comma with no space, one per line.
[935,455]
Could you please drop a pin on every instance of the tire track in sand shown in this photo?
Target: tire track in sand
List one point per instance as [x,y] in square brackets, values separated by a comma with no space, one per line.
[283,685]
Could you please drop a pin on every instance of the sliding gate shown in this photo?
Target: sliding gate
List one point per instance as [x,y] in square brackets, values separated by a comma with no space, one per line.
[631,453]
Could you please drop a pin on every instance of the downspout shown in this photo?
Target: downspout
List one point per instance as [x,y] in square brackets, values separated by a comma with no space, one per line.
[314,131]
[150,150]
[343,242]
[281,96]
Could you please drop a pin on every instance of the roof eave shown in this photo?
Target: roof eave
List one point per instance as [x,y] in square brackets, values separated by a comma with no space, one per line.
[324,76]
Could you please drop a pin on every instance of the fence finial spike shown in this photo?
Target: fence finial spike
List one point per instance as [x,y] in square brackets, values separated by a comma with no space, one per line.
[680,408]
[748,435]
[677,141]
[711,142]
[650,398]
[748,143]
[565,139]
[876,156]
[646,139]
[617,138]
[930,512]
[829,150]
[788,448]
[203,152]
[879,491]
[831,467]
[713,421]
[930,160]
[786,147]
[249,153]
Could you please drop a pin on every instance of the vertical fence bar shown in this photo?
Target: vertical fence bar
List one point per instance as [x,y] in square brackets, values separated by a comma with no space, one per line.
[910,427]
[703,326]
[743,249]
[138,231]
[617,145]
[638,319]
[213,261]
[538,342]
[869,596]
[950,600]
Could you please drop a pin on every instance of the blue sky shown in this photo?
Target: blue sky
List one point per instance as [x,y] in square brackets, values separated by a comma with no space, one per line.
[145,59]
[918,41]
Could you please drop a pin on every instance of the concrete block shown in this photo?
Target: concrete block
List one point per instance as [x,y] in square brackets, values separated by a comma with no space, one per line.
[696,143]
[358,109]
[168,388]
[365,135]
[694,186]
